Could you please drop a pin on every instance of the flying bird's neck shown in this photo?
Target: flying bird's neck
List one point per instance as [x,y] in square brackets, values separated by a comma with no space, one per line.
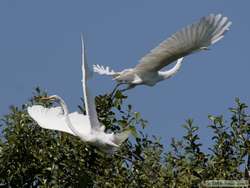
[169,73]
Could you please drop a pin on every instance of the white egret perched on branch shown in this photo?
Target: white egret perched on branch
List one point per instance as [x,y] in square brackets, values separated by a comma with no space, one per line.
[87,127]
[196,37]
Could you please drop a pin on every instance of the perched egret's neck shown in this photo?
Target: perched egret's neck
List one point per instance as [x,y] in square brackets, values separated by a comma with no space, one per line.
[63,105]
[66,114]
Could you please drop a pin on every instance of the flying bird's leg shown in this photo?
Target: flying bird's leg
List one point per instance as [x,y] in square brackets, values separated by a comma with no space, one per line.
[115,89]
[117,85]
[130,86]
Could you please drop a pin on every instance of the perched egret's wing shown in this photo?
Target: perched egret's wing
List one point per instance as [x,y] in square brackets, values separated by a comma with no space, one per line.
[195,37]
[88,99]
[54,119]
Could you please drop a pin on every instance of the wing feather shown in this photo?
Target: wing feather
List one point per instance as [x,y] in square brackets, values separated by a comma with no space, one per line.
[54,119]
[88,99]
[195,37]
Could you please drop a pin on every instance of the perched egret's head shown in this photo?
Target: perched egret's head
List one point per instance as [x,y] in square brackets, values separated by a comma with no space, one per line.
[57,99]
[51,98]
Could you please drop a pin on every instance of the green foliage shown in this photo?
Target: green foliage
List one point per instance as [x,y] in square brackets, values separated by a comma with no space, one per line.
[35,157]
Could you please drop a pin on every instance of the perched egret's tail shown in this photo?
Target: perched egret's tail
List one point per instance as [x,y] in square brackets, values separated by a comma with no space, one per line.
[119,138]
[105,71]
[114,143]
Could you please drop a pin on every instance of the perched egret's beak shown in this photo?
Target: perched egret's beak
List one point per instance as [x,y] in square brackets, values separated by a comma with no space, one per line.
[48,98]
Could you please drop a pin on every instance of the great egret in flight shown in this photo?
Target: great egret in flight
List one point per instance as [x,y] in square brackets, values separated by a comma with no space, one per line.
[196,37]
[87,127]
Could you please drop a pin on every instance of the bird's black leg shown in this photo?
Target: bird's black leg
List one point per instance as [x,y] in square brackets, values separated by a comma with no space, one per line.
[116,87]
[130,86]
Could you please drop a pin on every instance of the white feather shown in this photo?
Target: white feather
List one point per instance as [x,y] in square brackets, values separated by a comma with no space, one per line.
[88,99]
[54,119]
[103,70]
[87,127]
[192,38]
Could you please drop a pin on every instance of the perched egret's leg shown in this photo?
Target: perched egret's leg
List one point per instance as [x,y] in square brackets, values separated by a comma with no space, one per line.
[122,157]
[134,155]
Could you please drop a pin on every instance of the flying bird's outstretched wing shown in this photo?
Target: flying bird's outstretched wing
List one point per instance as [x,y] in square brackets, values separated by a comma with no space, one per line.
[54,119]
[195,37]
[88,99]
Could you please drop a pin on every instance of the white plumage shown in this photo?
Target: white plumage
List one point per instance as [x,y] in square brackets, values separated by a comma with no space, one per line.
[104,70]
[87,127]
[54,119]
[196,37]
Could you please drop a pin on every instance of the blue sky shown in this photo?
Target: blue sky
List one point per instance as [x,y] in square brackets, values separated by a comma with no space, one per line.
[40,46]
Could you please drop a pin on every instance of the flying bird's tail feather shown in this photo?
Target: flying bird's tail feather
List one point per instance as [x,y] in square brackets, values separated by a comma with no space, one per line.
[104,70]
